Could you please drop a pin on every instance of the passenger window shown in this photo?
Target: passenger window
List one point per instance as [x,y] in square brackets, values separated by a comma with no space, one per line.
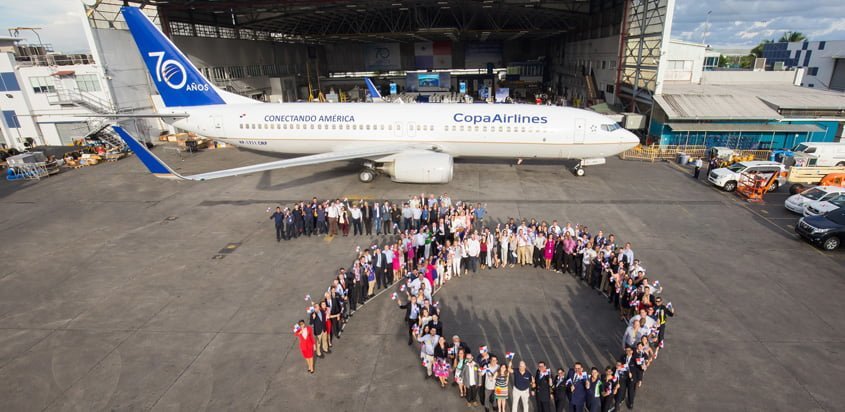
[454,128]
[501,129]
[390,127]
[462,128]
[485,128]
[312,126]
[509,129]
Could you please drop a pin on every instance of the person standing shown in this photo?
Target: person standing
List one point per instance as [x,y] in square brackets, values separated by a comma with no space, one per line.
[343,220]
[308,213]
[501,389]
[661,312]
[559,390]
[521,385]
[471,379]
[489,374]
[428,341]
[698,163]
[576,380]
[356,216]
[473,250]
[412,314]
[322,226]
[318,326]
[290,227]
[279,219]
[608,391]
[594,385]
[306,343]
[629,365]
[543,388]
[367,217]
[332,212]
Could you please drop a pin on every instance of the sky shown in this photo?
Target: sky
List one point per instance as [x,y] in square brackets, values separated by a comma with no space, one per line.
[732,24]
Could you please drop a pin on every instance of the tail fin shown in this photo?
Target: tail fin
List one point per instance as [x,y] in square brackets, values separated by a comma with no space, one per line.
[178,82]
[151,161]
[374,93]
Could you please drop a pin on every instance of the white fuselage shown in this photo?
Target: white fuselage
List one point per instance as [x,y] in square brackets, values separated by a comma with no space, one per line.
[484,130]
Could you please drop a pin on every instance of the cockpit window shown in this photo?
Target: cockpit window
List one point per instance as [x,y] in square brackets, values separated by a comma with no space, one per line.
[610,127]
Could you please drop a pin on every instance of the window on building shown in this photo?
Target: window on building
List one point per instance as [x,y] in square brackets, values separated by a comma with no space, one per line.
[178,28]
[42,84]
[218,73]
[811,85]
[204,30]
[813,71]
[87,83]
[8,82]
[227,33]
[253,70]
[235,72]
[11,119]
[807,57]
[821,45]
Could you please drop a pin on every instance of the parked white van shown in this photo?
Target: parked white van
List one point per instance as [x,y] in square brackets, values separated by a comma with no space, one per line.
[820,207]
[819,154]
[797,202]
[727,177]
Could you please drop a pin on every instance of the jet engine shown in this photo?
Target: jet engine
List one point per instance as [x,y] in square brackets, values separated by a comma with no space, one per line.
[419,167]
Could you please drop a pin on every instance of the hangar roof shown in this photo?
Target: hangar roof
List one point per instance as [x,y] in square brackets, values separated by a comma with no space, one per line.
[743,101]
[392,20]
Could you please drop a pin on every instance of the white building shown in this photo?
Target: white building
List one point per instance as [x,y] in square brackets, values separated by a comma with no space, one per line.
[47,97]
[823,61]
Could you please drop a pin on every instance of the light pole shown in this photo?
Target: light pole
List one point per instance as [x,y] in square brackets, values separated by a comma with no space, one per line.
[706,27]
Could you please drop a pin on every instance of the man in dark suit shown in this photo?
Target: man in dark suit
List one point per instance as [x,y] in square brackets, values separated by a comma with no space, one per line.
[279,219]
[308,218]
[379,263]
[576,380]
[543,388]
[436,324]
[629,361]
[318,324]
[412,313]
[367,216]
[377,217]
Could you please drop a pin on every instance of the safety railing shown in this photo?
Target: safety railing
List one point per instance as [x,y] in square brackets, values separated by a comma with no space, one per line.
[656,152]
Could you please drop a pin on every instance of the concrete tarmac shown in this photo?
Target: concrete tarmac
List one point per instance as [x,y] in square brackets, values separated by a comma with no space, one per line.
[118,292]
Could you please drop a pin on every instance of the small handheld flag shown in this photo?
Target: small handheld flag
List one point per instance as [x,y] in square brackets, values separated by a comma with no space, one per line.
[669,305]
[296,328]
[402,288]
[393,296]
[436,304]
[509,355]
[309,310]
[482,349]
[357,249]
[308,298]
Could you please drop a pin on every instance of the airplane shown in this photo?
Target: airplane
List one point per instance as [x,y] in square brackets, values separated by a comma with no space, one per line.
[410,144]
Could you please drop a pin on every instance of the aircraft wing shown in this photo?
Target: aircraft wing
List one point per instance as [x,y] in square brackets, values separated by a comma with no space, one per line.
[159,169]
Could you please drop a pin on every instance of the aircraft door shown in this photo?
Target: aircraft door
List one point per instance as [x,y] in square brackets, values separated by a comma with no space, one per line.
[580,125]
[217,126]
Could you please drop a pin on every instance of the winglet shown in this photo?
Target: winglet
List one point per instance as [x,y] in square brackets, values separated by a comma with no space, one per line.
[153,163]
[374,93]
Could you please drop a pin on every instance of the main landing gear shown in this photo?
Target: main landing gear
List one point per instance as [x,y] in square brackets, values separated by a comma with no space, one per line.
[578,170]
[368,173]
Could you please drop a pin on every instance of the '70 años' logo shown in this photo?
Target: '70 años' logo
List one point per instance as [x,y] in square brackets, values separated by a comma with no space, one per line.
[173,73]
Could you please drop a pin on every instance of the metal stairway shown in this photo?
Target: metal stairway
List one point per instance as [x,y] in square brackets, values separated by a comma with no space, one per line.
[77,98]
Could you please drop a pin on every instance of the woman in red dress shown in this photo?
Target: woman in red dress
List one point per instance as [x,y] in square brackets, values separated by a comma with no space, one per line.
[306,343]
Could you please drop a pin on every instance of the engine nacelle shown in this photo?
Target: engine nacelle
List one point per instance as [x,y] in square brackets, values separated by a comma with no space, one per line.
[419,167]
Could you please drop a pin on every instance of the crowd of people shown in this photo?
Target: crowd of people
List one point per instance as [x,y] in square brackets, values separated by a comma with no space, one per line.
[452,240]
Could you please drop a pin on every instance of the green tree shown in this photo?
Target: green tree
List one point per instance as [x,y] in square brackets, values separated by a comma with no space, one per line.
[758,49]
[747,62]
[792,36]
[723,61]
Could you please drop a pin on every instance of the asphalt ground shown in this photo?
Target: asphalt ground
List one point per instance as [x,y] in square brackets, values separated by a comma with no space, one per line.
[118,292]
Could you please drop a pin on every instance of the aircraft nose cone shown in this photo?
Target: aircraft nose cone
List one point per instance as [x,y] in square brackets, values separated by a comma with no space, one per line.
[630,139]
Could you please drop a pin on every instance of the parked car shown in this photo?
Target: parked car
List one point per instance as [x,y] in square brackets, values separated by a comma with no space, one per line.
[816,208]
[827,230]
[796,203]
[727,177]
